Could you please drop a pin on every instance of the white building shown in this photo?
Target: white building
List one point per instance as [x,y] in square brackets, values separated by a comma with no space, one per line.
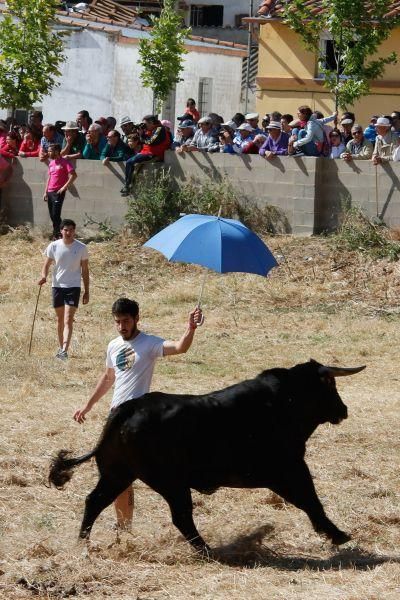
[102,74]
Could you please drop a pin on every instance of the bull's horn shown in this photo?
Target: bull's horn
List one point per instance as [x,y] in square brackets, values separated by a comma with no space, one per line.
[340,371]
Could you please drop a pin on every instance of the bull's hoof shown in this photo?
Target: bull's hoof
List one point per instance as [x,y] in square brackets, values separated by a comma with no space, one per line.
[340,538]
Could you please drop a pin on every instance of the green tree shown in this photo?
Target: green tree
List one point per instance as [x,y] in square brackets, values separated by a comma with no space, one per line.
[30,52]
[357,29]
[161,56]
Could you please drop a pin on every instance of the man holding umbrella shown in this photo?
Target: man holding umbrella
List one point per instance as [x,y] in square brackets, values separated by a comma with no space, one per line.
[130,364]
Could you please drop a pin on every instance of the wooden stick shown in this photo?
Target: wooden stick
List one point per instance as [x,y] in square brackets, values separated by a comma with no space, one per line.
[33,322]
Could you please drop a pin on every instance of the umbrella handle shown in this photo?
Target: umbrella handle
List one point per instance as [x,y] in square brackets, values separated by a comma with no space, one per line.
[200,323]
[200,297]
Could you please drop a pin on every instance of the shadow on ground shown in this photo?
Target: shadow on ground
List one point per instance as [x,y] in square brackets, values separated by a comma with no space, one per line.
[249,551]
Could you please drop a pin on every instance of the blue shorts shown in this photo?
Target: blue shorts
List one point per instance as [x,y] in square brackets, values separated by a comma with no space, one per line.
[66,296]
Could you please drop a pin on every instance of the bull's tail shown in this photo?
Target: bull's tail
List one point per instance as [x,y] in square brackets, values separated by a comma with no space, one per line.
[62,465]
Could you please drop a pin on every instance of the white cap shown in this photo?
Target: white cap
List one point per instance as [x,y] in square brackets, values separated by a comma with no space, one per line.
[245,127]
[252,116]
[382,121]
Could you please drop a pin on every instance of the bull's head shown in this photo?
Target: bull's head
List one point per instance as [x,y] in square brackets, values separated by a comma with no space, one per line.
[315,397]
[334,408]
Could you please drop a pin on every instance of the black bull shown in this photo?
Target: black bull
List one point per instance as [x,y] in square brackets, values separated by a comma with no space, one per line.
[249,435]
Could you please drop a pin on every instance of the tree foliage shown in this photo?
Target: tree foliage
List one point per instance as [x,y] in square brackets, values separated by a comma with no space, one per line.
[161,56]
[30,52]
[357,29]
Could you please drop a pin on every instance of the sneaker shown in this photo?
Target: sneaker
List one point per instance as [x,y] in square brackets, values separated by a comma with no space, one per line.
[125,192]
[62,355]
[59,352]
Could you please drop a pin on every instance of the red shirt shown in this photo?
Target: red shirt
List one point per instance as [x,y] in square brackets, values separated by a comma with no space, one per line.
[8,151]
[30,148]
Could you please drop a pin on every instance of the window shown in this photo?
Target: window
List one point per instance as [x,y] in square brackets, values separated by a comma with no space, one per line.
[327,50]
[205,95]
[206,16]
[21,116]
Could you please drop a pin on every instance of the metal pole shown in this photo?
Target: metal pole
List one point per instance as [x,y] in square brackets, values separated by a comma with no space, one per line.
[248,58]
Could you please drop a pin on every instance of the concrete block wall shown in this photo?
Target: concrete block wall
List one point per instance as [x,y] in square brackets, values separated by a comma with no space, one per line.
[311,192]
[96,192]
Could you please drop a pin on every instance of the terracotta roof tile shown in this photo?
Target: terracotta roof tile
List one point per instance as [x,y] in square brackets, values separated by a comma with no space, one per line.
[274,8]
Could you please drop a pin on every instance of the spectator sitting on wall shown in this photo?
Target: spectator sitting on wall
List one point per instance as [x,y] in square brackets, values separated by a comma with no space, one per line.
[36,123]
[191,111]
[359,148]
[50,136]
[127,127]
[30,146]
[386,142]
[225,138]
[156,140]
[204,138]
[370,131]
[134,143]
[225,141]
[276,143]
[255,145]
[115,150]
[285,120]
[11,147]
[244,135]
[84,120]
[95,143]
[310,137]
[74,141]
[337,146]
[184,134]
[252,119]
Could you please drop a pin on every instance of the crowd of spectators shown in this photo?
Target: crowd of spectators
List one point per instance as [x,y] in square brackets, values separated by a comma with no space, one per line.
[307,134]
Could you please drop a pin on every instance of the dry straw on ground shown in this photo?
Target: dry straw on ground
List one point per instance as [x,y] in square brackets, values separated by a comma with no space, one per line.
[336,307]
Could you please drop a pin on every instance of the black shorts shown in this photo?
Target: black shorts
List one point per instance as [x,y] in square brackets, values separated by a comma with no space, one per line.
[66,296]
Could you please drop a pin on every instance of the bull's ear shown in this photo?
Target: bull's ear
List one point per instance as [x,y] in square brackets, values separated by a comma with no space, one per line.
[340,371]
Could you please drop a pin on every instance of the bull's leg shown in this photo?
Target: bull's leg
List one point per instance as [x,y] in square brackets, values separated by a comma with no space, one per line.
[296,486]
[180,503]
[105,492]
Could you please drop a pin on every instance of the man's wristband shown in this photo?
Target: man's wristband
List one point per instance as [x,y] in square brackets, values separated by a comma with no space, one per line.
[192,326]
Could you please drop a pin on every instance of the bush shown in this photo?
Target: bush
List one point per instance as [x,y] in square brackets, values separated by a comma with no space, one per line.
[359,233]
[157,202]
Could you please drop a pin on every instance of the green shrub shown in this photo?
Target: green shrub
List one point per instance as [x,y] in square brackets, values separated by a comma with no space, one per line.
[159,201]
[359,233]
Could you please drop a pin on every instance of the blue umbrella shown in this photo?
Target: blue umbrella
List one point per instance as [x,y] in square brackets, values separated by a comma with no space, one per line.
[224,245]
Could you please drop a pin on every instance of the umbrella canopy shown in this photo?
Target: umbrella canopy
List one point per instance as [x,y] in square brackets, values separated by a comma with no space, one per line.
[224,245]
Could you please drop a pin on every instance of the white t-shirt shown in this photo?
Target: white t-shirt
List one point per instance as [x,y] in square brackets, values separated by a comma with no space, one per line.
[68,259]
[133,362]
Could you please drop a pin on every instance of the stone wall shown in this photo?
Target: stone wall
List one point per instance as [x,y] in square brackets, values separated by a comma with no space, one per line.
[311,192]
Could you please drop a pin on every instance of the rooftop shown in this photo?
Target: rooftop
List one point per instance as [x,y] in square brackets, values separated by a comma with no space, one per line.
[273,9]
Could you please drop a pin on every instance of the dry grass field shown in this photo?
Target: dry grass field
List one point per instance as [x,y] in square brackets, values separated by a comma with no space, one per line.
[339,308]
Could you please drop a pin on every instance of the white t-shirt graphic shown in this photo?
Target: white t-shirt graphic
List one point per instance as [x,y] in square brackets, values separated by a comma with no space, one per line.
[133,363]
